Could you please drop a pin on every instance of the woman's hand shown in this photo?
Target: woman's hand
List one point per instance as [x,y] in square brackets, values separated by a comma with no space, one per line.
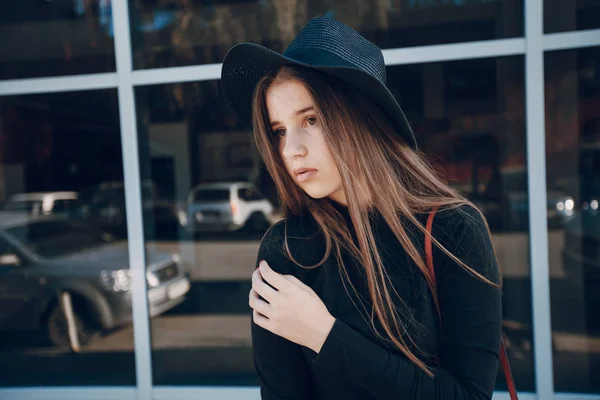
[292,310]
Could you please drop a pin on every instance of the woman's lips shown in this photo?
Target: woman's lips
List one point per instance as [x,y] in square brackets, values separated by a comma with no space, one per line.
[306,175]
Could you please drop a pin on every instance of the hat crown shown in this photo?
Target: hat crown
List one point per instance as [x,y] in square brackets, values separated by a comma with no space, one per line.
[332,36]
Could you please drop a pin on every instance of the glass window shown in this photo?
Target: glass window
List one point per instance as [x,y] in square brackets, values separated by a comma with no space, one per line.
[454,107]
[245,194]
[56,148]
[575,15]
[249,194]
[572,91]
[10,260]
[173,33]
[187,141]
[63,206]
[211,195]
[30,206]
[6,253]
[50,38]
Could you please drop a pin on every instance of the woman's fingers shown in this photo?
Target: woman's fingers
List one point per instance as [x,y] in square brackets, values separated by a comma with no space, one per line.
[273,278]
[259,305]
[260,320]
[296,282]
[264,290]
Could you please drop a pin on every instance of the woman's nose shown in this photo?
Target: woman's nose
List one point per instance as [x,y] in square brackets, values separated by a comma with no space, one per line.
[294,146]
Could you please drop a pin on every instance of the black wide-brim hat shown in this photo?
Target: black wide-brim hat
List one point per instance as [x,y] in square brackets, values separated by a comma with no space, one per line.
[323,44]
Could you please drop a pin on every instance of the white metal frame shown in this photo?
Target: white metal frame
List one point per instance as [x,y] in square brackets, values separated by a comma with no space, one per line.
[536,171]
[532,46]
[70,393]
[133,201]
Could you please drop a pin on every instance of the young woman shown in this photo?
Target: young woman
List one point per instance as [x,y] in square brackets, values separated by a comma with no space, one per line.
[344,305]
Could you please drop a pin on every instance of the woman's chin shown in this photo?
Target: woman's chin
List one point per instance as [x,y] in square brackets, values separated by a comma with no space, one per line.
[317,196]
[331,196]
[317,193]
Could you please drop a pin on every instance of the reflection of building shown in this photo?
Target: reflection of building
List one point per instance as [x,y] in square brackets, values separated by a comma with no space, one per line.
[45,146]
[72,35]
[78,33]
[169,153]
[472,104]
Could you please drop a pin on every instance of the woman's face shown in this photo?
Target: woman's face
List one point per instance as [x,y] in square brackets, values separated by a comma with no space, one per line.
[302,145]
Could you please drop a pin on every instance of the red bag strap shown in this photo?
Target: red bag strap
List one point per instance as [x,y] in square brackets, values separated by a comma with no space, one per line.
[510,382]
[428,246]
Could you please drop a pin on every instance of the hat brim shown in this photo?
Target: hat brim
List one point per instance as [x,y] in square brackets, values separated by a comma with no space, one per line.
[246,63]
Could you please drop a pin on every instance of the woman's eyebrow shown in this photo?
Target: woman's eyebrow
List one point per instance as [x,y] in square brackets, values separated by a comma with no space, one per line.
[299,112]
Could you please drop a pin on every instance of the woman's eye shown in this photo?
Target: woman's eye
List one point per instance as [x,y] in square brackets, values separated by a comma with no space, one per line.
[280,132]
[311,120]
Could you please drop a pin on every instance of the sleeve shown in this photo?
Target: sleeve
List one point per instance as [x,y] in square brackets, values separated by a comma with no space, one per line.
[471,326]
[279,363]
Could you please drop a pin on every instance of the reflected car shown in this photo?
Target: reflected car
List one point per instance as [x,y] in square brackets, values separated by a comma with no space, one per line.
[44,203]
[228,206]
[559,209]
[104,206]
[42,257]
[505,203]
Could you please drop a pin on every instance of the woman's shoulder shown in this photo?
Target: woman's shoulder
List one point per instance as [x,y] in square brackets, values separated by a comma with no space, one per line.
[293,227]
[464,232]
[461,227]
[456,220]
[300,235]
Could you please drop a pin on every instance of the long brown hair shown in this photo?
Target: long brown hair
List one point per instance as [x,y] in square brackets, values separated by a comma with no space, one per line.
[372,159]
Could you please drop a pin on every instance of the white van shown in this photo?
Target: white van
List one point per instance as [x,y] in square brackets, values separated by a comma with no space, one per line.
[228,206]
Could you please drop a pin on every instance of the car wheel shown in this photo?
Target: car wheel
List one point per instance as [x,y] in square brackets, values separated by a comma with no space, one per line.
[58,330]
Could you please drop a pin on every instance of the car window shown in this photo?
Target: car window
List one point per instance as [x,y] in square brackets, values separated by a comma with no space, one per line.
[244,194]
[63,206]
[211,195]
[109,196]
[31,206]
[249,194]
[56,238]
[5,248]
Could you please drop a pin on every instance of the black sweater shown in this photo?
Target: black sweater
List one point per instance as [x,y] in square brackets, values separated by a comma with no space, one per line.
[355,363]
